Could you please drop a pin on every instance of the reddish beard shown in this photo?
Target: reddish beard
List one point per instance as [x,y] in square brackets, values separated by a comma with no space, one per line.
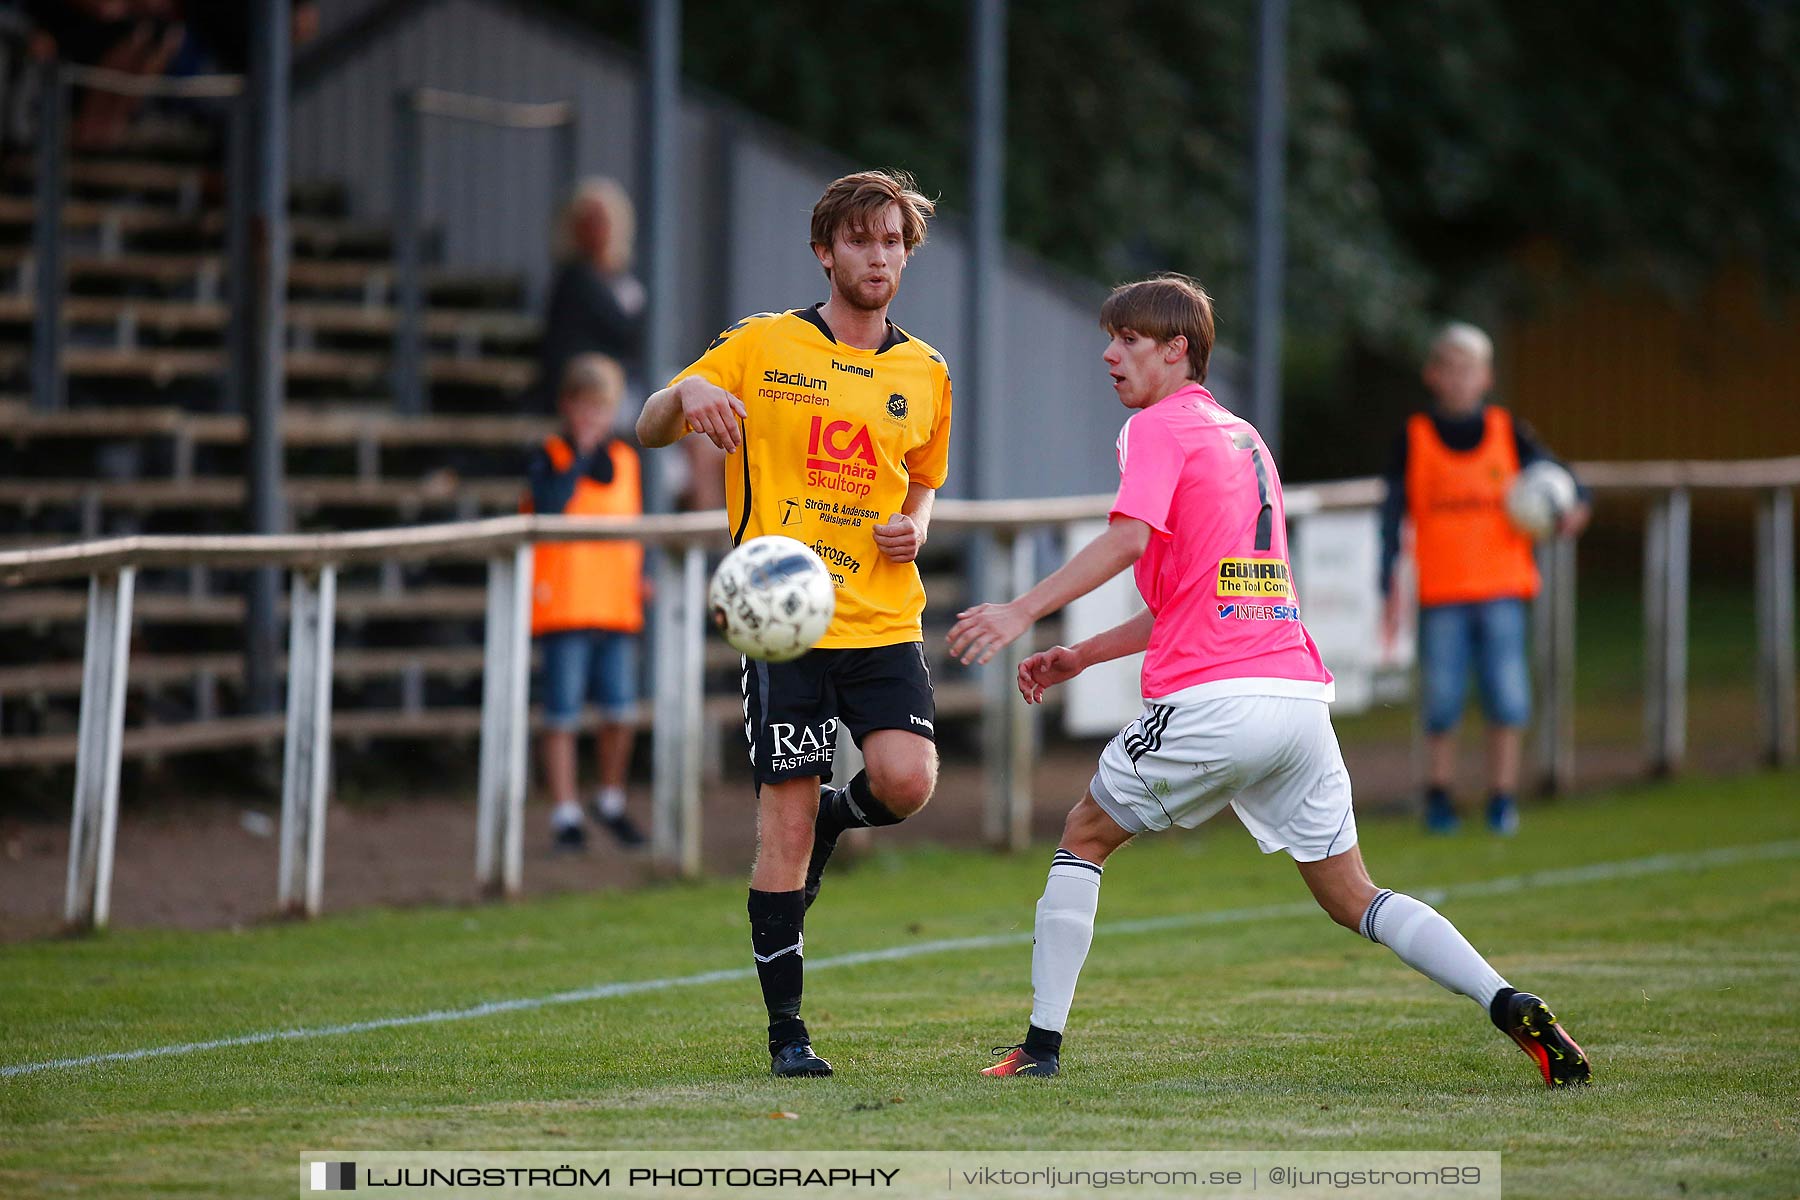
[846,284]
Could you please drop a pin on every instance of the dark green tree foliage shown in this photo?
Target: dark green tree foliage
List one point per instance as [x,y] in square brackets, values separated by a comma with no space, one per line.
[1127,126]
[1429,141]
[1659,138]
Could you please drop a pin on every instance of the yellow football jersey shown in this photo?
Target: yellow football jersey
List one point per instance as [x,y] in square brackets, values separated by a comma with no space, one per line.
[833,438]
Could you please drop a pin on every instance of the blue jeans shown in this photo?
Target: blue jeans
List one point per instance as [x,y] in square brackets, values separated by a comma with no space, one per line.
[583,665]
[1490,636]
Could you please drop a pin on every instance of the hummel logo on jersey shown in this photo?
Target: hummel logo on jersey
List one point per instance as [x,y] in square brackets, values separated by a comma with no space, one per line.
[921,722]
[853,369]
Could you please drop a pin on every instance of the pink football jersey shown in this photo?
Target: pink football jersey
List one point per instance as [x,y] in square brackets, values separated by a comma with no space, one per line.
[1216,572]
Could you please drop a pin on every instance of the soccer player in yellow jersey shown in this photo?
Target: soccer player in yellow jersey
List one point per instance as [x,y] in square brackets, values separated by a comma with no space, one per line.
[836,427]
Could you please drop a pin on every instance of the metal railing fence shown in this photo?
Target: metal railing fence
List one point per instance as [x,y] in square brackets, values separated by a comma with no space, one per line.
[679,544]
[48,383]
[411,107]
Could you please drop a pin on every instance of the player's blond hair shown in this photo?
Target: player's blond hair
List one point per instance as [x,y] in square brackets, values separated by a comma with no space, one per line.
[621,221]
[1163,308]
[1460,335]
[593,375]
[854,201]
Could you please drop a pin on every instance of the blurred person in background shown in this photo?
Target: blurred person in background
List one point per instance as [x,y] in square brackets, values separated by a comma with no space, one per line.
[596,303]
[587,600]
[219,34]
[136,37]
[597,306]
[1449,471]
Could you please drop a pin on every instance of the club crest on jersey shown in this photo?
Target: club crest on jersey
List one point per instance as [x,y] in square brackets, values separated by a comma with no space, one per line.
[896,406]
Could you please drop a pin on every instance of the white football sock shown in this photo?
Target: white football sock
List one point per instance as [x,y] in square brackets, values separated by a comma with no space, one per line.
[1428,943]
[610,801]
[568,813]
[1065,930]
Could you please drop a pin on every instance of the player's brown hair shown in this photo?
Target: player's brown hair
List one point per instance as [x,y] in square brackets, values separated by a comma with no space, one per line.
[853,201]
[1165,307]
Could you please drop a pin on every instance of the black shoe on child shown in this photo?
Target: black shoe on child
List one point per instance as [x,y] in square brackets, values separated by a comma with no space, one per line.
[624,830]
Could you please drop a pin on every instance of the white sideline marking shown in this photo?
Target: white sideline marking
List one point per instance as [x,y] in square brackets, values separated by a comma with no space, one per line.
[1656,864]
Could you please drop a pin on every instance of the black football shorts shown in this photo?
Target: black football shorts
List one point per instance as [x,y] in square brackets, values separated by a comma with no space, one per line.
[793,710]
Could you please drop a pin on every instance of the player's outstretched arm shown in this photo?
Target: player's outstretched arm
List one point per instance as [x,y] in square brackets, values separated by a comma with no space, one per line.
[1059,664]
[692,403]
[983,631]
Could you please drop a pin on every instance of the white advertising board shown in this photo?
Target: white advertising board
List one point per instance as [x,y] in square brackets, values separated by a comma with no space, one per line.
[1102,699]
[1337,561]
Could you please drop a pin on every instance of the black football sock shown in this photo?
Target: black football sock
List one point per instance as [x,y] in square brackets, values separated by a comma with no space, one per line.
[826,831]
[776,939]
[1497,1007]
[856,807]
[852,806]
[1042,1043]
[829,823]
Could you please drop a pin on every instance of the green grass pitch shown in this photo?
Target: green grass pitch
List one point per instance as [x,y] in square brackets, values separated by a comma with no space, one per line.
[1241,1031]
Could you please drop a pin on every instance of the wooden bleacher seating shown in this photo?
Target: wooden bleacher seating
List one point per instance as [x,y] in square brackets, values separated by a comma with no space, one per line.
[111,224]
[144,310]
[351,370]
[125,318]
[202,274]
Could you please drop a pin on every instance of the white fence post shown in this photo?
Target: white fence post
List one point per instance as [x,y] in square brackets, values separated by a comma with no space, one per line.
[96,817]
[1008,725]
[1775,624]
[505,718]
[1554,650]
[306,767]
[665,713]
[1666,632]
[678,709]
[693,703]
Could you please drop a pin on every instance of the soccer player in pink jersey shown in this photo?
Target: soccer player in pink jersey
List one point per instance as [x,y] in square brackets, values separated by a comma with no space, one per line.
[1235,692]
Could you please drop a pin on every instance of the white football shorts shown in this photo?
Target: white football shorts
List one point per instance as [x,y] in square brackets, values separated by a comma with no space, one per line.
[1274,759]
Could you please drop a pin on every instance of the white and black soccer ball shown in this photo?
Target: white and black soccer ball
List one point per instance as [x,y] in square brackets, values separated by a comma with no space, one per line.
[772,598]
[1539,498]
